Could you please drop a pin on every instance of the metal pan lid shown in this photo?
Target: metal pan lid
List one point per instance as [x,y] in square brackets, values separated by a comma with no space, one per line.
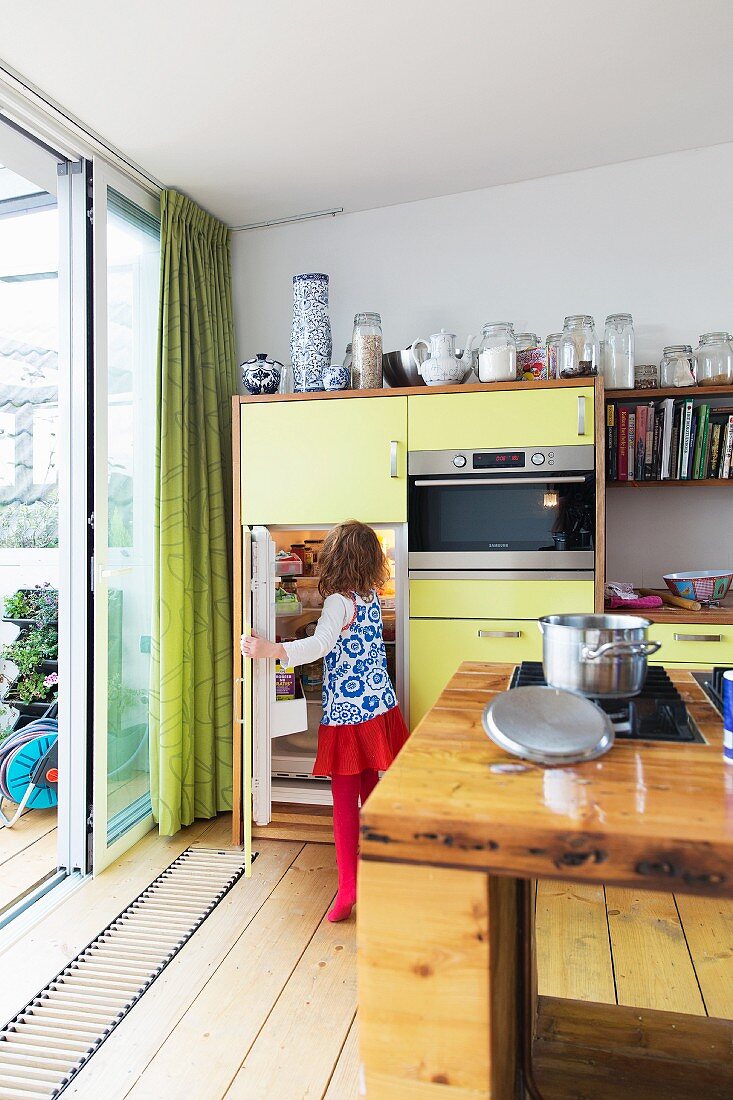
[548,726]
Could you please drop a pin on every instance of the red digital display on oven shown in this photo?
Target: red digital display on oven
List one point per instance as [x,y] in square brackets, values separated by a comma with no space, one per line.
[499,460]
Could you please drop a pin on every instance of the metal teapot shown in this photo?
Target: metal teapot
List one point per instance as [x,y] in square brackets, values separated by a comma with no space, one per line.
[442,364]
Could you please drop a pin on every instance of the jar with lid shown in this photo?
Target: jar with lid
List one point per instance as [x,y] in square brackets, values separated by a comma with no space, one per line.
[676,367]
[366,351]
[497,353]
[618,352]
[530,356]
[552,353]
[579,350]
[714,360]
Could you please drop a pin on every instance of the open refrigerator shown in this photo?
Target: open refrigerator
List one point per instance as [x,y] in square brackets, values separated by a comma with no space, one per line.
[281,734]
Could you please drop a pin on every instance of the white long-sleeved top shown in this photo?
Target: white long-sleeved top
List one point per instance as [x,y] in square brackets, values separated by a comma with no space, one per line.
[337,611]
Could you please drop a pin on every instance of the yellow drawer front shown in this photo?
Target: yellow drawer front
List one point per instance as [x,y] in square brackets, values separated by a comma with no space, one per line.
[325,461]
[463,599]
[438,647]
[692,644]
[504,418]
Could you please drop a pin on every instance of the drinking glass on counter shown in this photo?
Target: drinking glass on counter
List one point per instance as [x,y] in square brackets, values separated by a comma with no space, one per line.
[552,354]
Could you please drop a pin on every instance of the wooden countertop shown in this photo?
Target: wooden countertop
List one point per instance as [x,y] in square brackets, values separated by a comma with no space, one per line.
[424,391]
[711,616]
[650,815]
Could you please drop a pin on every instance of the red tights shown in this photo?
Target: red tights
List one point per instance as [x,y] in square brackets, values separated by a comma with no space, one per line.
[347,791]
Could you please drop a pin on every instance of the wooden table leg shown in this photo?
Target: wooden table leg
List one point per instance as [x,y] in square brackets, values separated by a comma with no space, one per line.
[438,983]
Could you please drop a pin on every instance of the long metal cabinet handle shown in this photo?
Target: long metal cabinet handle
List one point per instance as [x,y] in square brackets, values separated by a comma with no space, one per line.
[500,633]
[393,458]
[698,638]
[501,481]
[581,416]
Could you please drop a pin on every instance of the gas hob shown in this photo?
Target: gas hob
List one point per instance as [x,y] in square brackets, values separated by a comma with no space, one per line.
[657,713]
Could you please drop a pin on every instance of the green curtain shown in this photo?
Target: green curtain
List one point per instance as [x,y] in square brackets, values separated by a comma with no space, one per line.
[191,686]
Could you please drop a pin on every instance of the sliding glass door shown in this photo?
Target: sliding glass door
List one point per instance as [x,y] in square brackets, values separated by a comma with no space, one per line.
[127,278]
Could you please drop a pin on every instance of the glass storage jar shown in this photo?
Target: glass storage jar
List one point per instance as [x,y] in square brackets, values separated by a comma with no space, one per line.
[618,352]
[366,352]
[579,350]
[552,353]
[714,360]
[497,353]
[347,358]
[530,356]
[676,367]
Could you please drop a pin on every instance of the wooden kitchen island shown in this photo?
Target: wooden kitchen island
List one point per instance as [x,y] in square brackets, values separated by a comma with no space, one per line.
[452,848]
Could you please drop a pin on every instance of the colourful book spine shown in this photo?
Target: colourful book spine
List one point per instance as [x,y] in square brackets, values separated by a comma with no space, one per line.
[715,434]
[649,452]
[699,437]
[642,413]
[728,460]
[685,440]
[610,443]
[632,446]
[623,444]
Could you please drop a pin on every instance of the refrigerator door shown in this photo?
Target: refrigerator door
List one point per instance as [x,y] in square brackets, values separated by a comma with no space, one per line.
[270,718]
[263,672]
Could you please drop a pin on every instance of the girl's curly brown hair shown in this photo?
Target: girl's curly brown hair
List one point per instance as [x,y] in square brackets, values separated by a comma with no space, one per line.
[352,560]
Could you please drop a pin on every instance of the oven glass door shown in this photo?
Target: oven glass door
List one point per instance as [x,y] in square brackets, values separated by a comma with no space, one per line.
[504,515]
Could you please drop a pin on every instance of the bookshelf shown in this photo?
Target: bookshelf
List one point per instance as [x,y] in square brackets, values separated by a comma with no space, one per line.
[630,396]
[725,482]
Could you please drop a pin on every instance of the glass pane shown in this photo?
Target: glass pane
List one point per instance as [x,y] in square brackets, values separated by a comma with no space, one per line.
[133,267]
[29,566]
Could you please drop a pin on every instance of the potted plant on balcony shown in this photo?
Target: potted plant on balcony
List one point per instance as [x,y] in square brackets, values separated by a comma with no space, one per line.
[33,656]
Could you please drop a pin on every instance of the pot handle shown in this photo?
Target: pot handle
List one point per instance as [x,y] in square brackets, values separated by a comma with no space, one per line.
[635,649]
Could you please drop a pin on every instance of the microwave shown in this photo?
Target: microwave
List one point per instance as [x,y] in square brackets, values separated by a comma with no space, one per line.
[524,512]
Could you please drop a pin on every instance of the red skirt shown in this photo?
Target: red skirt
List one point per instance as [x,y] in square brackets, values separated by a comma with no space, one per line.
[351,749]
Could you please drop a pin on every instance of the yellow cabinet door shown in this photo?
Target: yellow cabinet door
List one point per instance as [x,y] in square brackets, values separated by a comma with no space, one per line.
[505,418]
[693,644]
[463,599]
[439,646]
[324,461]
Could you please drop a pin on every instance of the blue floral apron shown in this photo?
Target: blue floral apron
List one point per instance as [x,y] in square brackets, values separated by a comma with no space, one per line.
[356,684]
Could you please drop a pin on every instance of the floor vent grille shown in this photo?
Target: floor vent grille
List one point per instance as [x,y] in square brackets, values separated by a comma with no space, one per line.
[47,1043]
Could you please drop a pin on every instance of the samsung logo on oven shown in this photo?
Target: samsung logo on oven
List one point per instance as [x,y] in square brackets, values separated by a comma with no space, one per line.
[498,545]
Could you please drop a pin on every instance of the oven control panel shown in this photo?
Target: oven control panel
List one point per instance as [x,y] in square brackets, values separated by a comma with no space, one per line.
[499,460]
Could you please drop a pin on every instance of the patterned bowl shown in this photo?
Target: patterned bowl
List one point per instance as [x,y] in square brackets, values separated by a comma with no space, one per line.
[704,585]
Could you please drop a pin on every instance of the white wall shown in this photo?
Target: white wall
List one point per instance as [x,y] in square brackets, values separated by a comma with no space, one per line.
[654,237]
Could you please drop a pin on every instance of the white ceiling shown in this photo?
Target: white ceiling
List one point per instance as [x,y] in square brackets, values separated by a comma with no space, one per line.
[268,108]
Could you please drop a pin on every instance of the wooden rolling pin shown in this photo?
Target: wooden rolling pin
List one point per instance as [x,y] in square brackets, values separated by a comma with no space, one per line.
[670,600]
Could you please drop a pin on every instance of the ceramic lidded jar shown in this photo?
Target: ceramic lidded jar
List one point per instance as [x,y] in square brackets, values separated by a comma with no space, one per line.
[311,341]
[261,375]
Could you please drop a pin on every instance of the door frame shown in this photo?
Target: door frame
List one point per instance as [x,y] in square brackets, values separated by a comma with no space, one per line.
[104,177]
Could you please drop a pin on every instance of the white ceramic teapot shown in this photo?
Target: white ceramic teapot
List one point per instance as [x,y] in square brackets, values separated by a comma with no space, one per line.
[444,365]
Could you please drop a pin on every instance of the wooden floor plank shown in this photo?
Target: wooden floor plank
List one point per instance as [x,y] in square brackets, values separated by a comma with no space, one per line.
[344,1085]
[30,963]
[115,1069]
[204,1052]
[573,949]
[30,827]
[652,965]
[23,870]
[708,925]
[296,1050]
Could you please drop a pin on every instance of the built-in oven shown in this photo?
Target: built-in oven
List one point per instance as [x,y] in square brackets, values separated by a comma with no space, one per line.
[524,511]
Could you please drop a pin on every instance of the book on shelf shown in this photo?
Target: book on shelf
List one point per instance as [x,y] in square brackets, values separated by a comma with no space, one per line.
[682,439]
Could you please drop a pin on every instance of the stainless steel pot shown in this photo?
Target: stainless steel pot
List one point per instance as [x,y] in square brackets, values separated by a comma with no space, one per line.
[596,655]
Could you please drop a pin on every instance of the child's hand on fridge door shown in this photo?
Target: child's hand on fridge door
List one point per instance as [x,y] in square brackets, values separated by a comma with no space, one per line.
[255,647]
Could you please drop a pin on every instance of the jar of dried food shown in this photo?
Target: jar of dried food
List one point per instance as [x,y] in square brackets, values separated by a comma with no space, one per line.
[497,353]
[552,353]
[646,376]
[676,367]
[714,360]
[366,351]
[530,356]
[298,548]
[618,352]
[579,350]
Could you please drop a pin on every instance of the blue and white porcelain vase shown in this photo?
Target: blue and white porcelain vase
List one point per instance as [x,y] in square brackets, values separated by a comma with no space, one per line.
[311,342]
[261,375]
